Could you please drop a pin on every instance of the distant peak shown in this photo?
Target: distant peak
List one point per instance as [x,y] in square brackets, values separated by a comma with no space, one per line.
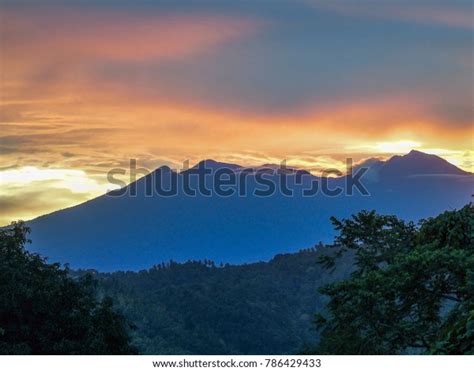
[209,161]
[370,162]
[215,165]
[164,168]
[416,153]
[419,163]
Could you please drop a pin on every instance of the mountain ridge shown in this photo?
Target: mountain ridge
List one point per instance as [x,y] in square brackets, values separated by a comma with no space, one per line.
[133,232]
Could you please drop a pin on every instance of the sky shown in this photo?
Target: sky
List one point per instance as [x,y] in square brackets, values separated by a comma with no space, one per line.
[87,85]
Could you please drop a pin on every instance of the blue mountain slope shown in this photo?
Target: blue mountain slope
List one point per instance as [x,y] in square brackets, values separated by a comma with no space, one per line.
[131,233]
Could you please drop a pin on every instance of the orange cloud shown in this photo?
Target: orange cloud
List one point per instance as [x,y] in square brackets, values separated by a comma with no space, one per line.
[58,112]
[96,134]
[38,45]
[122,125]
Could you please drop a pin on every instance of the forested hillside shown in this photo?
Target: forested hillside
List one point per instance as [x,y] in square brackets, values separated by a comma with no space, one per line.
[387,286]
[198,308]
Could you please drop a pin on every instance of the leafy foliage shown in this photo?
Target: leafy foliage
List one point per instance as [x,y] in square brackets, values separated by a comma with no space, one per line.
[200,308]
[457,337]
[394,288]
[412,289]
[44,311]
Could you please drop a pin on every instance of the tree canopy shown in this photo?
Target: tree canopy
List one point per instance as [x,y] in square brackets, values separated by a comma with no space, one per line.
[45,311]
[411,291]
[198,307]
[395,288]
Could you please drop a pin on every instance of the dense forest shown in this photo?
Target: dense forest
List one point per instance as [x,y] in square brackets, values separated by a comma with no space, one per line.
[385,287]
[200,308]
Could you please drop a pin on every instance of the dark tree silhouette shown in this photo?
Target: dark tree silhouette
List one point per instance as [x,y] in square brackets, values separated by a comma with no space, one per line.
[45,311]
[412,289]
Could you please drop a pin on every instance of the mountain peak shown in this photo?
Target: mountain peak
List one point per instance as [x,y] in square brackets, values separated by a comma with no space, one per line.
[421,155]
[215,165]
[131,229]
[419,163]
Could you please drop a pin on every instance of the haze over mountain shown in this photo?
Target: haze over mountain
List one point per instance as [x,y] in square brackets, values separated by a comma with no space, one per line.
[130,232]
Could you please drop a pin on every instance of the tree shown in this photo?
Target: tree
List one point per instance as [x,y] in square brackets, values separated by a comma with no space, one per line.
[411,291]
[44,311]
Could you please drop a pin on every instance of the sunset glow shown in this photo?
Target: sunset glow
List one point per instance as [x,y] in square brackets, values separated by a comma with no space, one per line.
[85,87]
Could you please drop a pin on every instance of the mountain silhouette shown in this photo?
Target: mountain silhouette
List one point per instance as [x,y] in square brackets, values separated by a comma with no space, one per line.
[133,228]
[418,163]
